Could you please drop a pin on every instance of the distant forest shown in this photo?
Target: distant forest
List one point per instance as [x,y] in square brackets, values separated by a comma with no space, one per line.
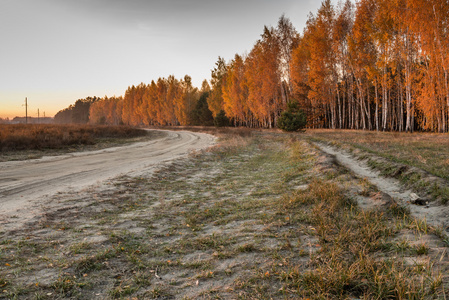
[376,65]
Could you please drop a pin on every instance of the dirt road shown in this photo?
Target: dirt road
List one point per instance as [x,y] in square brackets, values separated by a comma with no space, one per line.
[26,183]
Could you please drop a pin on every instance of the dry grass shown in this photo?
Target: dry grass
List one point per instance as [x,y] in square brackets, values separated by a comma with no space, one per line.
[427,151]
[38,137]
[356,257]
[405,156]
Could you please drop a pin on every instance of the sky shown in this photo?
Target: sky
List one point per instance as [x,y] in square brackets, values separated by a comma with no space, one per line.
[54,52]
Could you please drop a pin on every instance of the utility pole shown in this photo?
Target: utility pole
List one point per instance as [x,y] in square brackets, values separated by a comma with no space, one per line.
[38,116]
[26,110]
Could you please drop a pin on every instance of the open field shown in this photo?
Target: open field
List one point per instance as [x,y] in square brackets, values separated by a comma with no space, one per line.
[21,141]
[261,215]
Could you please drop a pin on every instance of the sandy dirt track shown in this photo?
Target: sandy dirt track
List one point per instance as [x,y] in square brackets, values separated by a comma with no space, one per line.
[24,184]
[434,213]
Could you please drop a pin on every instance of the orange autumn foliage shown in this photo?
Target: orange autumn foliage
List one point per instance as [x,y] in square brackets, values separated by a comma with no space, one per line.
[374,65]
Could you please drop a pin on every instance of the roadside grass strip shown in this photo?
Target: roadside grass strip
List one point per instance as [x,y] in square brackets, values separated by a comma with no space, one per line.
[409,157]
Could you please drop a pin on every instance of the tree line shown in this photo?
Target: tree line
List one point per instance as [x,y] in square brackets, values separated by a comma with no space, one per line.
[166,102]
[77,113]
[375,65]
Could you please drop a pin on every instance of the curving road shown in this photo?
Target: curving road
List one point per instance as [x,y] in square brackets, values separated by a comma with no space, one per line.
[24,183]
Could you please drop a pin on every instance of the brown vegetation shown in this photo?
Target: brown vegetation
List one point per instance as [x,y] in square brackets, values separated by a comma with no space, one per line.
[39,137]
[419,160]
[427,151]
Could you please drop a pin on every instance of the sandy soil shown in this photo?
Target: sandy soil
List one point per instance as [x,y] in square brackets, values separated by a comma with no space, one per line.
[434,212]
[26,185]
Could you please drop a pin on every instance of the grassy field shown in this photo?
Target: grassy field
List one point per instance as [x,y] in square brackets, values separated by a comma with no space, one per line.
[33,141]
[259,216]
